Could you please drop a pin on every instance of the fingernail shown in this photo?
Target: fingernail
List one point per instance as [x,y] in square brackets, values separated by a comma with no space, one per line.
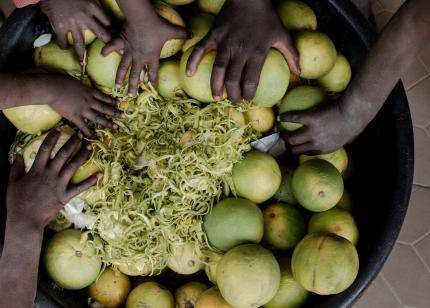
[80,135]
[278,118]
[123,115]
[117,86]
[131,95]
[115,126]
[89,147]
[99,176]
[189,73]
[217,98]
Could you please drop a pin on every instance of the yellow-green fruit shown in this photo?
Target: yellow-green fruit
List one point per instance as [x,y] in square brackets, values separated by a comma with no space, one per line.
[290,293]
[187,295]
[89,37]
[171,47]
[110,289]
[178,2]
[237,116]
[212,299]
[325,263]
[257,177]
[102,69]
[70,263]
[113,7]
[51,57]
[134,266]
[296,15]
[285,193]
[185,258]
[345,202]
[210,6]
[168,79]
[338,158]
[212,259]
[199,26]
[338,78]
[274,80]
[32,119]
[84,172]
[150,294]
[317,185]
[284,226]
[261,119]
[248,276]
[300,98]
[233,222]
[336,221]
[317,54]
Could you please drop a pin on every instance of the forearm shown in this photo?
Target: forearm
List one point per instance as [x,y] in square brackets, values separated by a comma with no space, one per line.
[388,60]
[19,265]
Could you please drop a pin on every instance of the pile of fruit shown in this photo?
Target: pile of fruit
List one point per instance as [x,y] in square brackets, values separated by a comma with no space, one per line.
[182,189]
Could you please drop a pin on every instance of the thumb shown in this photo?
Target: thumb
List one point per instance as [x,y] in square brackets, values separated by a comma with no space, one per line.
[17,170]
[116,44]
[290,53]
[294,116]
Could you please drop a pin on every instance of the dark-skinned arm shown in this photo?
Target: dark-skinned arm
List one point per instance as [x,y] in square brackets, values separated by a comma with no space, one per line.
[332,125]
[140,42]
[33,200]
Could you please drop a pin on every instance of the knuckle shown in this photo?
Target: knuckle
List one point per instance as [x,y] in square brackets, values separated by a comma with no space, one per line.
[231,81]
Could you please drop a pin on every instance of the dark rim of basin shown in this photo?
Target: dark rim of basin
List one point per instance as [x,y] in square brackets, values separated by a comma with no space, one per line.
[382,157]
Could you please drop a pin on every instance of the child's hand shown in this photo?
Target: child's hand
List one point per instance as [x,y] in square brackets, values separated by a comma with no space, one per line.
[78,103]
[76,16]
[243,33]
[141,40]
[35,198]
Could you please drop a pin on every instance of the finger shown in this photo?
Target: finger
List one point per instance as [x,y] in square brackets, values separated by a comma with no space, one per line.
[17,170]
[61,35]
[100,15]
[297,137]
[78,41]
[205,46]
[99,31]
[134,79]
[83,127]
[44,154]
[65,153]
[75,190]
[99,119]
[105,98]
[123,67]
[286,47]
[294,116]
[75,163]
[218,73]
[179,32]
[153,71]
[107,110]
[116,44]
[307,148]
[233,78]
[252,75]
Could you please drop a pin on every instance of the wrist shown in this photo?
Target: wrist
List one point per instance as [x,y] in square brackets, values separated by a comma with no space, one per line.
[22,224]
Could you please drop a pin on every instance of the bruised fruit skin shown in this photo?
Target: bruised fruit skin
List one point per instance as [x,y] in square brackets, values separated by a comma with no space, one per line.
[211,299]
[187,295]
[325,263]
[110,289]
[290,293]
[338,78]
[284,226]
[233,222]
[248,276]
[296,15]
[150,294]
[338,158]
[336,221]
[261,119]
[317,185]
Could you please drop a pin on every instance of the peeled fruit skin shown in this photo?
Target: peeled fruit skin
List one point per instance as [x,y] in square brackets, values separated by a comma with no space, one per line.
[69,263]
[150,294]
[210,6]
[336,221]
[317,185]
[284,226]
[89,37]
[261,119]
[32,119]
[51,57]
[257,177]
[338,158]
[300,98]
[317,54]
[274,80]
[168,79]
[290,293]
[110,289]
[248,276]
[133,266]
[296,15]
[187,295]
[325,263]
[233,222]
[199,26]
[285,193]
[185,259]
[211,299]
[338,78]
[212,259]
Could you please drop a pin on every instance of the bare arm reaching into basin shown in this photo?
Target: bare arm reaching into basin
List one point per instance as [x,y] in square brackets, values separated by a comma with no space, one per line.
[33,200]
[332,125]
[64,94]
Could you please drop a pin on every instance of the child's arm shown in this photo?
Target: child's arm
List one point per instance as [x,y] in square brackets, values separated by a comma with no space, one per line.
[330,126]
[65,95]
[33,200]
[142,38]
